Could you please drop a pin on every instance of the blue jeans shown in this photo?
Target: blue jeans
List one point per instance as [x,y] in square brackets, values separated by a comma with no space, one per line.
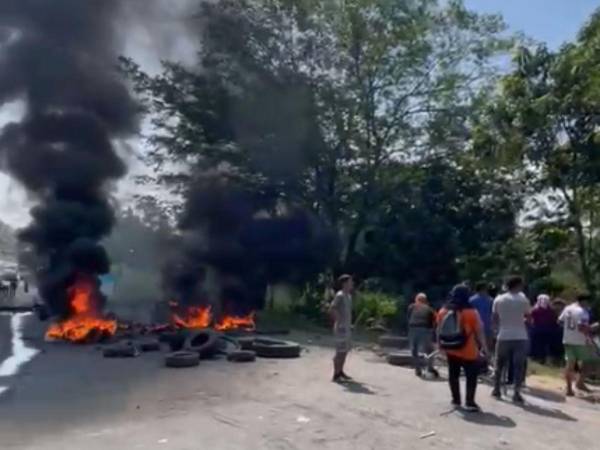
[421,341]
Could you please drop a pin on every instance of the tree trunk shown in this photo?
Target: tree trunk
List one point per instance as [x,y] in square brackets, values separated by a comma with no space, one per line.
[582,253]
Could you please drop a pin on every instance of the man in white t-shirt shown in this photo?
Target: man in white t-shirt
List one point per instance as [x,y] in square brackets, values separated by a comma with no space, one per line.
[510,312]
[341,311]
[576,320]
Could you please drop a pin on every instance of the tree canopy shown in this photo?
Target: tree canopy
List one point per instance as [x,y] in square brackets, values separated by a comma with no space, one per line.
[391,122]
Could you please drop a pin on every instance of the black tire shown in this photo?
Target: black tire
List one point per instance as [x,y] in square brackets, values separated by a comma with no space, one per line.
[227,345]
[175,341]
[272,348]
[242,356]
[204,343]
[246,343]
[401,358]
[182,359]
[273,331]
[149,346]
[387,340]
[121,350]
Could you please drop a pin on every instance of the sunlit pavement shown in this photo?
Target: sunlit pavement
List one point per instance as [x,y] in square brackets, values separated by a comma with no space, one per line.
[69,397]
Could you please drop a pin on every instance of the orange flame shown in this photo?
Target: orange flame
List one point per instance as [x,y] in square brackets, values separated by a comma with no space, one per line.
[194,317]
[235,322]
[85,320]
[201,317]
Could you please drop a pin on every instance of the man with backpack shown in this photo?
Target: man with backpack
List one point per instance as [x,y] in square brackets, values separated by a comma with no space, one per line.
[461,336]
[511,311]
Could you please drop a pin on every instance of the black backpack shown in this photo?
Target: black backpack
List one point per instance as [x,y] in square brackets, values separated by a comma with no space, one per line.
[451,334]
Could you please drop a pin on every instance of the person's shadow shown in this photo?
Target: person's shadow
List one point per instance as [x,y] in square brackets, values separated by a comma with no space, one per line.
[356,387]
[487,419]
[547,412]
[546,394]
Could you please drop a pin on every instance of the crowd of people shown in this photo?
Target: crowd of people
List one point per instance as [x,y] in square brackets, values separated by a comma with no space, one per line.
[478,329]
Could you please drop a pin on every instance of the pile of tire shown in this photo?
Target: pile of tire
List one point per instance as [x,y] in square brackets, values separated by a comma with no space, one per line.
[273,348]
[401,358]
[241,356]
[203,342]
[148,345]
[175,340]
[181,359]
[121,350]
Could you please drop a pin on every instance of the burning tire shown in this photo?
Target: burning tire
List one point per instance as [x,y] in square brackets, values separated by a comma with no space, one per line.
[242,356]
[126,350]
[204,343]
[182,359]
[271,348]
[388,340]
[401,358]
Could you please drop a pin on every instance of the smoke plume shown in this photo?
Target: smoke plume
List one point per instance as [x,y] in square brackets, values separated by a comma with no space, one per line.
[227,232]
[58,57]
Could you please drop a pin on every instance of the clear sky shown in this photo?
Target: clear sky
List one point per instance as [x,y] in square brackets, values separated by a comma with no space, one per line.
[550,21]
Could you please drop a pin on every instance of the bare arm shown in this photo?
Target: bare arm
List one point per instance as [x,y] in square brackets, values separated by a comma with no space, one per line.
[495,318]
[480,335]
[333,308]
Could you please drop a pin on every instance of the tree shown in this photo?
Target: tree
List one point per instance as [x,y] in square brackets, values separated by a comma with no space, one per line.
[544,124]
[315,104]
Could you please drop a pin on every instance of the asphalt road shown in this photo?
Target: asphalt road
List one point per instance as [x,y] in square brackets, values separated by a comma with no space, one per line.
[69,398]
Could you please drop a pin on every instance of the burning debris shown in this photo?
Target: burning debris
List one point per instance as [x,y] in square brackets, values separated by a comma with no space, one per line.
[191,317]
[84,322]
[58,58]
[231,249]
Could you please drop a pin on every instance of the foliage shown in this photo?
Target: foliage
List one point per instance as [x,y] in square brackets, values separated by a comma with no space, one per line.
[544,124]
[375,308]
[357,111]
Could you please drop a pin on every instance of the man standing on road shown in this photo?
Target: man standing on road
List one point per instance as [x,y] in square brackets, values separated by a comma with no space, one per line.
[341,311]
[576,320]
[421,328]
[510,312]
[483,303]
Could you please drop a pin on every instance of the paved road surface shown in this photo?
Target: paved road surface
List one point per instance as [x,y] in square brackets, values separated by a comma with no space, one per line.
[70,398]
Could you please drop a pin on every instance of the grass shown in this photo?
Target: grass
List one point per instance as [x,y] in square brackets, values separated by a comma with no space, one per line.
[535,368]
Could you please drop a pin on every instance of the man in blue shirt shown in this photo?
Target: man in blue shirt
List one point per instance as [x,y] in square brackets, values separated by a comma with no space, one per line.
[483,303]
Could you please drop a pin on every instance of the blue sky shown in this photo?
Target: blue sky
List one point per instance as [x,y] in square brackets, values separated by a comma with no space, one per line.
[550,21]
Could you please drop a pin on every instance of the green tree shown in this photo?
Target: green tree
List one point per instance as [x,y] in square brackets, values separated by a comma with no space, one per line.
[544,124]
[315,104]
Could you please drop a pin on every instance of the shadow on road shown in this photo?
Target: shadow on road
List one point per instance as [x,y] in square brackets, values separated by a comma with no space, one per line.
[488,419]
[356,387]
[546,394]
[547,412]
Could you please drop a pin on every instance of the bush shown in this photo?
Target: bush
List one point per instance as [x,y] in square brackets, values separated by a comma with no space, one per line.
[376,308]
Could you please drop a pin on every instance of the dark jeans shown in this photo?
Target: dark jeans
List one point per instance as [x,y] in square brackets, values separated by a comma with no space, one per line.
[421,341]
[471,369]
[511,352]
[544,345]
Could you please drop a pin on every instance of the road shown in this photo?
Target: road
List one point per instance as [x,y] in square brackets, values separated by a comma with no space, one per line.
[69,398]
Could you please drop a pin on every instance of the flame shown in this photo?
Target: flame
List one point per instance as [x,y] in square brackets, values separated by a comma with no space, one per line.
[85,320]
[201,317]
[194,317]
[235,322]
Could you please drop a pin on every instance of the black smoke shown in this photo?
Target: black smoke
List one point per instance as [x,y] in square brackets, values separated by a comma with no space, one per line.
[59,57]
[227,229]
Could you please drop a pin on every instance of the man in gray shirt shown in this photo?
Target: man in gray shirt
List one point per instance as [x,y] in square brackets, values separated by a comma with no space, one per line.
[341,311]
[510,312]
